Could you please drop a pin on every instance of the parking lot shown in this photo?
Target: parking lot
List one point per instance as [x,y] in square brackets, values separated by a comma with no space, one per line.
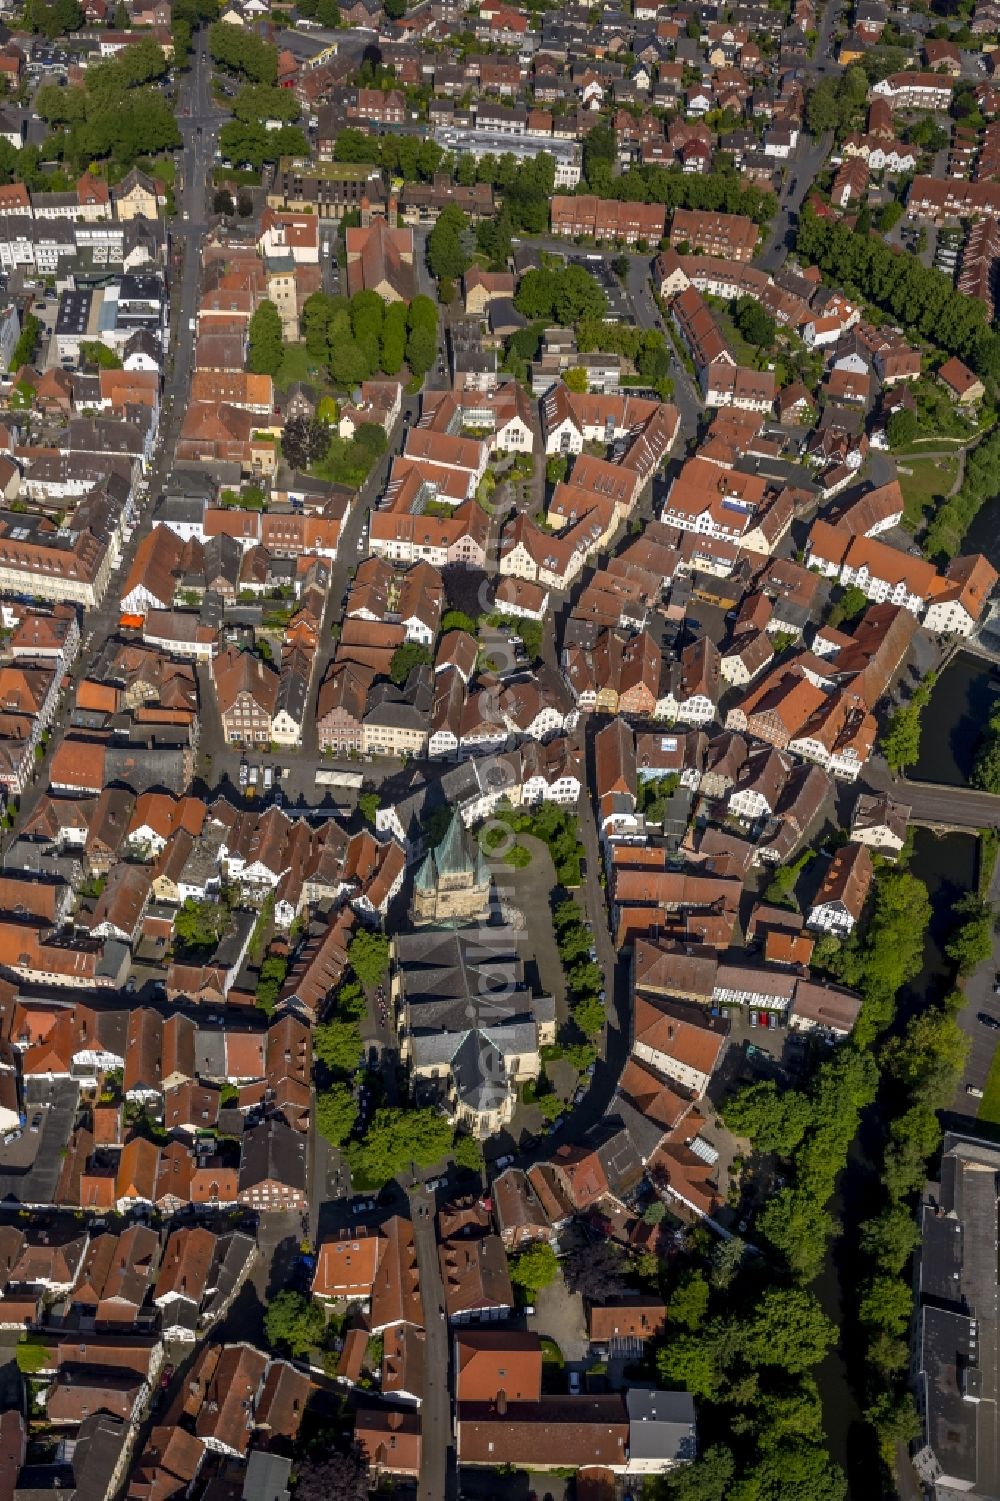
[619,310]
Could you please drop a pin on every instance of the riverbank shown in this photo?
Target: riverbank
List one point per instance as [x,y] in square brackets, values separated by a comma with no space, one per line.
[947,865]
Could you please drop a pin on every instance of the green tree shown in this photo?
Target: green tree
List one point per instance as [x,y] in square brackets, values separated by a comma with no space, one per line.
[24,349]
[901,428]
[575,379]
[336,1112]
[567,295]
[756,325]
[796,1472]
[368,954]
[886,1303]
[397,1138]
[270,981]
[349,365]
[709,1478]
[467,1153]
[929,1058]
[293,1323]
[852,603]
[589,1015]
[599,146]
[447,253]
[197,925]
[457,620]
[797,1225]
[534,1268]
[692,1362]
[891,1239]
[421,349]
[256,103]
[94,352]
[368,806]
[243,52]
[264,335]
[789,1330]
[316,313]
[892,951]
[986,768]
[393,346]
[557,466]
[367,315]
[689,1301]
[775,1122]
[901,741]
[338,1045]
[494,237]
[411,654]
[971,942]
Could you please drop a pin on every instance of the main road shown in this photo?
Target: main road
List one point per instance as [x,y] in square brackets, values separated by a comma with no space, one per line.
[198,122]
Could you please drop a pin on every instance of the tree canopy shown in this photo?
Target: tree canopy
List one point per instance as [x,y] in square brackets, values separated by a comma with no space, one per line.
[397,1138]
[567,295]
[447,243]
[243,52]
[368,954]
[264,353]
[293,1323]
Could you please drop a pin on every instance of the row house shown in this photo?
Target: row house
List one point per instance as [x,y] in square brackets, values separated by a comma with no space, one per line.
[887,575]
[732,236]
[607,219]
[930,91]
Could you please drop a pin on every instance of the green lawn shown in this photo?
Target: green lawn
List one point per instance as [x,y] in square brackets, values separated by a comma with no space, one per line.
[746,353]
[927,481]
[298,364]
[989,1109]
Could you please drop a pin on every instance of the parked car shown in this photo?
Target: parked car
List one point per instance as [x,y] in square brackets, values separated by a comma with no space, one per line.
[503,1162]
[575,1386]
[984,1018]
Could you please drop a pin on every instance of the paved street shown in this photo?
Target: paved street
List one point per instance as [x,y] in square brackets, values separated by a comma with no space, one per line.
[686,398]
[438,1475]
[799,174]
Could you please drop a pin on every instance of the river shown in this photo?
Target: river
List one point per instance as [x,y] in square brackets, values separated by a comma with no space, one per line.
[984,533]
[947,865]
[953,722]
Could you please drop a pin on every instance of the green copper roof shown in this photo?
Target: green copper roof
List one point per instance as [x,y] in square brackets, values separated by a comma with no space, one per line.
[426,877]
[451,855]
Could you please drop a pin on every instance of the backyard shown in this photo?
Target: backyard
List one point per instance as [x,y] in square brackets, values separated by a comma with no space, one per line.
[923,483]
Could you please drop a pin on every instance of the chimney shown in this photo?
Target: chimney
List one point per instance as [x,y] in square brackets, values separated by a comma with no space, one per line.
[501,1403]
